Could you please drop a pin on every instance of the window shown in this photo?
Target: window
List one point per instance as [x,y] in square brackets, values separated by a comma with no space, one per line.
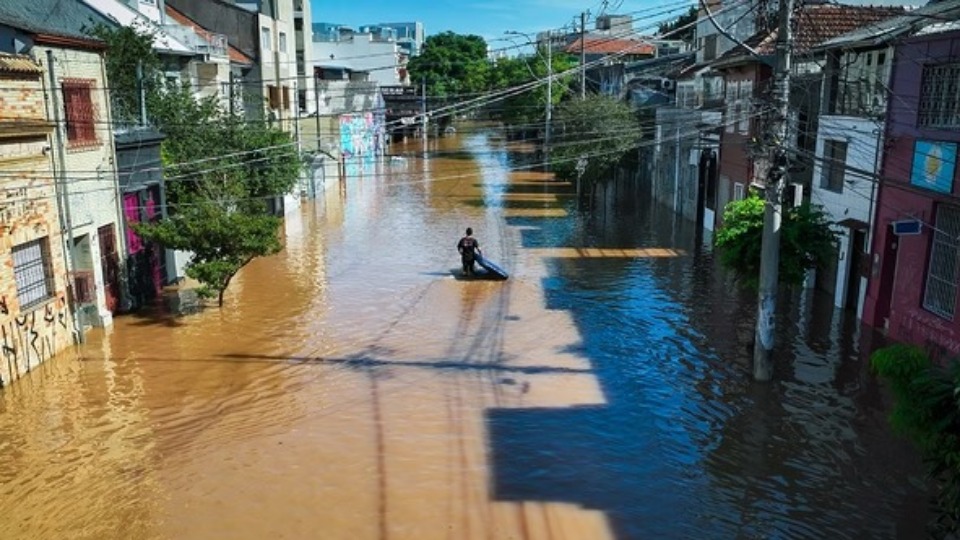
[834,165]
[744,97]
[31,270]
[859,83]
[941,292]
[273,93]
[710,47]
[265,38]
[79,112]
[283,42]
[738,191]
[731,99]
[940,97]
[286,98]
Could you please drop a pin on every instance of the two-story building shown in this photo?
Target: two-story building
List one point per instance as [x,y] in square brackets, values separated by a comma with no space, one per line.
[36,320]
[748,79]
[915,257]
[850,142]
[54,34]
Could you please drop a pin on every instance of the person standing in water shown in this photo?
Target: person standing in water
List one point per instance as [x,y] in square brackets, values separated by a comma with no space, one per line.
[469,249]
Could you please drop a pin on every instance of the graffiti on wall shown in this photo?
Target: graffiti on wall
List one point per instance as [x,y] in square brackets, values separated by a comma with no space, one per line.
[361,141]
[29,339]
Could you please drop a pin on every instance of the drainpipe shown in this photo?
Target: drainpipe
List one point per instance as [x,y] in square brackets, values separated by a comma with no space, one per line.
[64,191]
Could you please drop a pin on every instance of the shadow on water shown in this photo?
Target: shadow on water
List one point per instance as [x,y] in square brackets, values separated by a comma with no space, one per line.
[687,444]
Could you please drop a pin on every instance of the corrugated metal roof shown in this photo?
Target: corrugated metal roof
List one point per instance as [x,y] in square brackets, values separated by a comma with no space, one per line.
[934,17]
[15,63]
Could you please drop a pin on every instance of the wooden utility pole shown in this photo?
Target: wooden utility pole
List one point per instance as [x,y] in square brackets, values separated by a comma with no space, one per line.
[772,215]
[583,55]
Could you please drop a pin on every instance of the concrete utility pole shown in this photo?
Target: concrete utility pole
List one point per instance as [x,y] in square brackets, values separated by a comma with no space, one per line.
[772,215]
[423,107]
[549,111]
[583,55]
[276,62]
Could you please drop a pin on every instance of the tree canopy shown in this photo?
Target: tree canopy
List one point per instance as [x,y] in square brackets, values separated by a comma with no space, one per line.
[806,240]
[688,33]
[451,64]
[599,129]
[527,108]
[221,169]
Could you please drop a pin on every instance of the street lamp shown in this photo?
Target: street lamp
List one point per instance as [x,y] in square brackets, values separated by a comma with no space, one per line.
[549,104]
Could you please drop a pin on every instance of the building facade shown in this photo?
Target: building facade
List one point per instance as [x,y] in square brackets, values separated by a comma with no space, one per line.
[36,321]
[914,270]
[379,55]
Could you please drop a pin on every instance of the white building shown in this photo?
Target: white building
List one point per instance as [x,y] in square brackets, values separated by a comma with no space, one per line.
[379,55]
[83,148]
[849,147]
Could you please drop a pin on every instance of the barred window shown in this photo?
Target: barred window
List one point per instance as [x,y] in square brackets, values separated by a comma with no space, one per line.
[31,270]
[940,97]
[81,118]
[941,292]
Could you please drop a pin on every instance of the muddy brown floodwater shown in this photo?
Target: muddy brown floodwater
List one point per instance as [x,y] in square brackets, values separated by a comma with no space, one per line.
[352,388]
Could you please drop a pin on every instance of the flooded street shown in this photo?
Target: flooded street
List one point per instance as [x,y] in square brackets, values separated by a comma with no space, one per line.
[352,388]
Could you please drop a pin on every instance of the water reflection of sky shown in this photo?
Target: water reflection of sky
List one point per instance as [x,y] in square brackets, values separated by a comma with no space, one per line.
[687,445]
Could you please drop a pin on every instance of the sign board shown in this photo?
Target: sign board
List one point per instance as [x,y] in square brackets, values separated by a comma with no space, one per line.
[907,227]
[934,163]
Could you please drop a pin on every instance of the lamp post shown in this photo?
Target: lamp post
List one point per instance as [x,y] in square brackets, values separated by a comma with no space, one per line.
[549,105]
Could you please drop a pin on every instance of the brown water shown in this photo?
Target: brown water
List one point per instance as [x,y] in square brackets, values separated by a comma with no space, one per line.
[352,388]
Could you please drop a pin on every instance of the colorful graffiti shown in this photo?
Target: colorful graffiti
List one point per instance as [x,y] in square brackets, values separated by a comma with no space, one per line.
[361,141]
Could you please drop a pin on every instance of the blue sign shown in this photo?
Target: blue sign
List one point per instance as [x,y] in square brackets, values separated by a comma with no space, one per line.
[934,163]
[907,227]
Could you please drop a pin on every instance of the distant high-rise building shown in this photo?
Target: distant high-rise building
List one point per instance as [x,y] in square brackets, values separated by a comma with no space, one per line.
[409,35]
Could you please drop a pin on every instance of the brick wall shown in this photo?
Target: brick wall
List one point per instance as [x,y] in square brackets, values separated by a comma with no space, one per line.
[28,213]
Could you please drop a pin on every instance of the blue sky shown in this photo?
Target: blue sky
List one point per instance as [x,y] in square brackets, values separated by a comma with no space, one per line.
[487,18]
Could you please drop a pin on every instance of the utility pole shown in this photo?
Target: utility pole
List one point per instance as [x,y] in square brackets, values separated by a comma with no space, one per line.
[583,55]
[316,102]
[549,112]
[142,92]
[772,215]
[276,62]
[64,193]
[423,108]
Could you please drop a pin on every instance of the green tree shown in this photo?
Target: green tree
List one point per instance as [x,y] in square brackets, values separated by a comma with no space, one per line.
[132,65]
[221,170]
[927,410]
[688,18]
[451,64]
[598,132]
[527,108]
[806,240]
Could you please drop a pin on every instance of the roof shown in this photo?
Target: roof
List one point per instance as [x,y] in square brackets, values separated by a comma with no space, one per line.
[604,45]
[235,55]
[15,63]
[57,17]
[934,17]
[120,14]
[813,25]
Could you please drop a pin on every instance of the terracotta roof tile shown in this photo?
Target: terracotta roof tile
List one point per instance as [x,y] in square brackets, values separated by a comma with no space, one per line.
[601,45]
[815,24]
[15,63]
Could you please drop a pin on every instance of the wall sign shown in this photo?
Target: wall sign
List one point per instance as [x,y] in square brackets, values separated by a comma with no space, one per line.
[934,163]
